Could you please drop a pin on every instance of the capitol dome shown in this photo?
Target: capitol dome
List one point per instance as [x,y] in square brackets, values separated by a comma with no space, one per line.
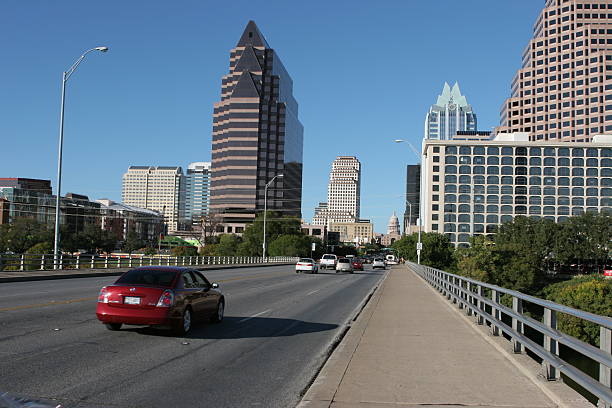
[394,226]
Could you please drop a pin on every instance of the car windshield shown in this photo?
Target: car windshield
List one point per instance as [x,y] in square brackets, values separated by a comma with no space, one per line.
[306,260]
[147,277]
[378,260]
[329,257]
[343,260]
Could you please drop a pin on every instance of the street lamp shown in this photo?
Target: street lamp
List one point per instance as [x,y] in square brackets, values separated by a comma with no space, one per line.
[419,243]
[65,76]
[266,210]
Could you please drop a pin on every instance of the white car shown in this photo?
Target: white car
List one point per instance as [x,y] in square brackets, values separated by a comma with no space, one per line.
[306,265]
[328,261]
[344,265]
[378,263]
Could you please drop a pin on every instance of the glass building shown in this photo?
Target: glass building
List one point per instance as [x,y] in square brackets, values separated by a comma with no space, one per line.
[256,135]
[469,187]
[450,114]
[197,192]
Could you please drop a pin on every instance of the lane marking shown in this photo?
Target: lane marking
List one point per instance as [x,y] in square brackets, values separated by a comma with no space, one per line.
[66,302]
[255,315]
[314,291]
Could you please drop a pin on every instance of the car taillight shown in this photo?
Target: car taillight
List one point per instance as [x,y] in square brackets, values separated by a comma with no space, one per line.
[166,299]
[103,296]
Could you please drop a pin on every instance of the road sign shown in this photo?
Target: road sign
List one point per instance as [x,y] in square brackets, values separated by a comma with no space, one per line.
[313,247]
[419,246]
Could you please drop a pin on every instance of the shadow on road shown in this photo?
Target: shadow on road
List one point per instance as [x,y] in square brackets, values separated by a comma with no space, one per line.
[237,327]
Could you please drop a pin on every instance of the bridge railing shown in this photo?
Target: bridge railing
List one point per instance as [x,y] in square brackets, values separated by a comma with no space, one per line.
[483,301]
[31,262]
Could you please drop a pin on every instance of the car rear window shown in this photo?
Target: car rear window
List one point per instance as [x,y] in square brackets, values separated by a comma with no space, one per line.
[329,257]
[305,260]
[147,277]
[343,260]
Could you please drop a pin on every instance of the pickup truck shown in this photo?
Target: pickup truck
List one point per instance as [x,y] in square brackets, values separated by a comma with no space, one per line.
[328,261]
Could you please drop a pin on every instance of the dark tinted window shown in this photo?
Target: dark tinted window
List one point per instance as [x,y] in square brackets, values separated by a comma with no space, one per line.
[188,281]
[147,277]
[200,279]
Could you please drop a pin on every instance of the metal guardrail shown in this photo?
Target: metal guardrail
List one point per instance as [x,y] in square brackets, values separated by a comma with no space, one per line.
[31,262]
[470,295]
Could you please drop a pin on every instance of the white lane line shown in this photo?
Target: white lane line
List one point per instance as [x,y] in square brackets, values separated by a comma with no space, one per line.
[255,315]
[314,291]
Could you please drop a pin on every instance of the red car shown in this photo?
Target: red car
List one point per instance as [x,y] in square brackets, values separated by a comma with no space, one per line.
[357,264]
[160,296]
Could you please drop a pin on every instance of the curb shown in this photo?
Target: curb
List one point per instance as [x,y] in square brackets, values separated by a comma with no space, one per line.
[115,272]
[321,392]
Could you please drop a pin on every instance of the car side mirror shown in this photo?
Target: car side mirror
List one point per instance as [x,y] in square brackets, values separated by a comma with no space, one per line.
[215,286]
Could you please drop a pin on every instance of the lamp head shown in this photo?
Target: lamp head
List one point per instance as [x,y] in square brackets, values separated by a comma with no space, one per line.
[101,49]
[399,140]
[280,175]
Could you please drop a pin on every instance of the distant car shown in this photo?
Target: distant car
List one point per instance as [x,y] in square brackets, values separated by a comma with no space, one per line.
[391,260]
[306,265]
[357,264]
[328,261]
[378,263]
[344,265]
[160,296]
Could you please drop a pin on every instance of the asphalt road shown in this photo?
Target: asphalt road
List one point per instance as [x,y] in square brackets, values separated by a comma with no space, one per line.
[278,330]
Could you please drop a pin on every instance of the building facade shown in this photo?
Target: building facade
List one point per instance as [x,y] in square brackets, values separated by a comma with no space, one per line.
[359,232]
[413,193]
[197,192]
[451,113]
[256,135]
[156,188]
[122,219]
[563,90]
[343,193]
[470,187]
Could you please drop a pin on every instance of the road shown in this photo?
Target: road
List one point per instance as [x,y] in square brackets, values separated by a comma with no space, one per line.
[278,330]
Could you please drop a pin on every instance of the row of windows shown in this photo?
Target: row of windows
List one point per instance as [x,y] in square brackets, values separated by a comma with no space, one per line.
[522,161]
[533,151]
[519,209]
[534,200]
[522,180]
[522,190]
[522,171]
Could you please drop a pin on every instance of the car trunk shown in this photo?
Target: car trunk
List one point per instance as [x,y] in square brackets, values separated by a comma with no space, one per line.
[134,296]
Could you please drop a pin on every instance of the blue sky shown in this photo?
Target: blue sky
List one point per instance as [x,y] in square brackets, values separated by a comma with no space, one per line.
[364,73]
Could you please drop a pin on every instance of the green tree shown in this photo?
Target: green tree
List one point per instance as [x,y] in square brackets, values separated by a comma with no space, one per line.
[584,239]
[479,261]
[228,245]
[209,250]
[133,243]
[437,250]
[590,293]
[252,238]
[290,245]
[184,250]
[22,234]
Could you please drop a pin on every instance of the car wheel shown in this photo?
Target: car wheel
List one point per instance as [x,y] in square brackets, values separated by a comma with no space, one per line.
[185,324]
[113,326]
[218,316]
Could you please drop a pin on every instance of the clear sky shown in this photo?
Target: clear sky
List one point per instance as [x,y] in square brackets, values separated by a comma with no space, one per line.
[364,73]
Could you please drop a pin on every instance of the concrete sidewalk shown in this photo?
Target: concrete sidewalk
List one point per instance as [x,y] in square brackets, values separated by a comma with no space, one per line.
[409,348]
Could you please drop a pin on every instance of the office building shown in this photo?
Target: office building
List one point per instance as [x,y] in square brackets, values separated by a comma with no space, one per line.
[343,193]
[359,232]
[470,187]
[197,193]
[563,90]
[256,135]
[27,198]
[413,192]
[451,113]
[122,219]
[156,188]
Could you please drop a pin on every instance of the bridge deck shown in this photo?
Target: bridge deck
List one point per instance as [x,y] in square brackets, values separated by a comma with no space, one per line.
[409,348]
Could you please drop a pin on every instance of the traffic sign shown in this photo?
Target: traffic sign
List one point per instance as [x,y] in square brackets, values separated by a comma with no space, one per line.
[419,246]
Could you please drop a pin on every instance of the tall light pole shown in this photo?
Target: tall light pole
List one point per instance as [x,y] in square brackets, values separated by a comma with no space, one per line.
[265,212]
[65,76]
[416,152]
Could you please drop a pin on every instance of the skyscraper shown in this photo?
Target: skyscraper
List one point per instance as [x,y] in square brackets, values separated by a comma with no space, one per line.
[563,90]
[343,193]
[413,192]
[156,188]
[451,113]
[197,192]
[256,135]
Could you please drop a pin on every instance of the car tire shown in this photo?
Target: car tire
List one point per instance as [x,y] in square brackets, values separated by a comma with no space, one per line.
[113,326]
[219,312]
[184,324]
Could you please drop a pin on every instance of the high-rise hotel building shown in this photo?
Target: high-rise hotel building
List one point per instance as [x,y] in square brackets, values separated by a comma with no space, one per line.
[197,192]
[160,188]
[343,193]
[563,91]
[256,135]
[450,114]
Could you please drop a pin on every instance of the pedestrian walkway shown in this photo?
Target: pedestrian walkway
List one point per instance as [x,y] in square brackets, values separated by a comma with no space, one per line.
[409,348]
